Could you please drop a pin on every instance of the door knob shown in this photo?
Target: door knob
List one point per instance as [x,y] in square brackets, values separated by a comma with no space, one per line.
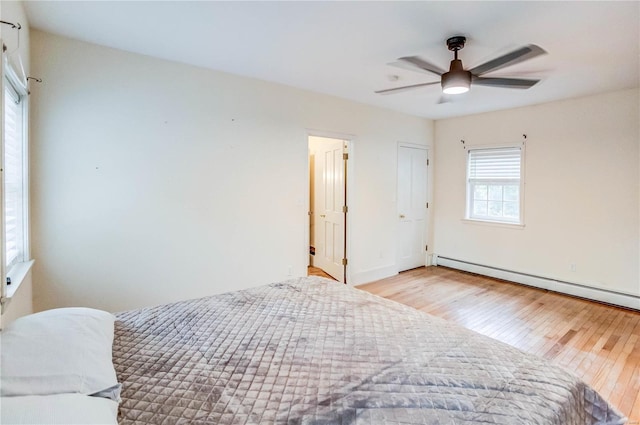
[401,215]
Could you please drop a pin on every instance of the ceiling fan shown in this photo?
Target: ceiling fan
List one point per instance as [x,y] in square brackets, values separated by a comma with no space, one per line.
[458,80]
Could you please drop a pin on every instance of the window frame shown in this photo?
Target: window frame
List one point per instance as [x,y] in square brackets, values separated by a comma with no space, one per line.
[470,183]
[16,271]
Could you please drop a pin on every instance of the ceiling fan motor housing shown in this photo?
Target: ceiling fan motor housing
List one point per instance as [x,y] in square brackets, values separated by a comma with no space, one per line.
[456,77]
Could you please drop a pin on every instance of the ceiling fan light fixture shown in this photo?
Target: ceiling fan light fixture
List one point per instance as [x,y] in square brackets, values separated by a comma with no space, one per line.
[455,89]
[457,80]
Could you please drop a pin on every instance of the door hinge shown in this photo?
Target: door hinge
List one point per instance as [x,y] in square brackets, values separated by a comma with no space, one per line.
[344,261]
[345,156]
[427,205]
[427,162]
[345,209]
[426,247]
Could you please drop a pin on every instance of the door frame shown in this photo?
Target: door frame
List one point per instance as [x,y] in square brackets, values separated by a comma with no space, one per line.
[350,140]
[428,253]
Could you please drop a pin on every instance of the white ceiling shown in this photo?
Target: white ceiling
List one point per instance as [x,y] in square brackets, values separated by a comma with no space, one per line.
[343,48]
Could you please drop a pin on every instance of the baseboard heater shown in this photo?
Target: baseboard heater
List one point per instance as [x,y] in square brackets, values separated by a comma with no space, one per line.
[575,289]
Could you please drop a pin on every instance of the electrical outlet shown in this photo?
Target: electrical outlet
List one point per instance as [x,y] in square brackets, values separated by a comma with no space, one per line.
[573,267]
[290,271]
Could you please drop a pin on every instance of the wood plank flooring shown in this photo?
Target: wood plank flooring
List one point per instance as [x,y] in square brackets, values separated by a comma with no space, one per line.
[599,343]
[315,271]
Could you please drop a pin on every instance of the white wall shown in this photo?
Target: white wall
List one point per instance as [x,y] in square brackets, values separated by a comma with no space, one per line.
[156,181]
[18,53]
[581,200]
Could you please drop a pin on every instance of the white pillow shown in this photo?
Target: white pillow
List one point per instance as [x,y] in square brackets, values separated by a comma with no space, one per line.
[58,409]
[66,350]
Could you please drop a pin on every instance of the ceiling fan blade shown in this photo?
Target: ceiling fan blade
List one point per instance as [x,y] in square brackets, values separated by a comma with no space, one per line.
[510,83]
[408,66]
[399,89]
[423,64]
[519,55]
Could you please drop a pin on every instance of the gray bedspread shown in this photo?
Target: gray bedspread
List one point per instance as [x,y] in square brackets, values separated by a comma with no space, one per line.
[313,351]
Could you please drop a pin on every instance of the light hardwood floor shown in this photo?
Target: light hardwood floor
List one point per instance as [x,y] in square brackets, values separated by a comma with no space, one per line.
[599,343]
[314,271]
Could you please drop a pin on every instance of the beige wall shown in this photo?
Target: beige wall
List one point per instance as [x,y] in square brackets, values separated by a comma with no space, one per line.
[156,181]
[581,201]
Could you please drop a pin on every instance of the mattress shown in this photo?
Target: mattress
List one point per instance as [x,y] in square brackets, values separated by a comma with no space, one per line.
[313,351]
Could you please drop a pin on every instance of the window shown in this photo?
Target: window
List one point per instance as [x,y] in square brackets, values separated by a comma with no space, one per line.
[494,185]
[14,171]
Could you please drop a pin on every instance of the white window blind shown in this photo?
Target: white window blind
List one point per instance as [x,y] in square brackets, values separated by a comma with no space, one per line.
[13,176]
[494,185]
[494,164]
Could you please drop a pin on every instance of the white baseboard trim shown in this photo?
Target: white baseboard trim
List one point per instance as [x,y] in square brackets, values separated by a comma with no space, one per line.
[373,274]
[578,290]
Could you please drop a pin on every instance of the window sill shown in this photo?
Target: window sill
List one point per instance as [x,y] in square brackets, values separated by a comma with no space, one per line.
[17,275]
[494,223]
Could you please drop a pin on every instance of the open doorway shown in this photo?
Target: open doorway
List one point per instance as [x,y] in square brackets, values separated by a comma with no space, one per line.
[328,160]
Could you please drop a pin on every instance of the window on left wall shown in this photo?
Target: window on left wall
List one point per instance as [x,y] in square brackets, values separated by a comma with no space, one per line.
[15,169]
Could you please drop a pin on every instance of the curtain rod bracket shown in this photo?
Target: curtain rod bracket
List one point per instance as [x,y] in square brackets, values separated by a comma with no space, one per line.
[16,25]
[37,80]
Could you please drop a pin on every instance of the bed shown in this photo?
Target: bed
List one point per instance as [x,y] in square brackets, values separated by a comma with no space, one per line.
[311,351]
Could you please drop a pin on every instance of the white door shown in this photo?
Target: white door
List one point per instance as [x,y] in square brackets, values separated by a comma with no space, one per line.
[329,216]
[412,207]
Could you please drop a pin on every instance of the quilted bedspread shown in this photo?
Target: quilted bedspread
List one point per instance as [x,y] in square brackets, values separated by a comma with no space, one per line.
[312,351]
